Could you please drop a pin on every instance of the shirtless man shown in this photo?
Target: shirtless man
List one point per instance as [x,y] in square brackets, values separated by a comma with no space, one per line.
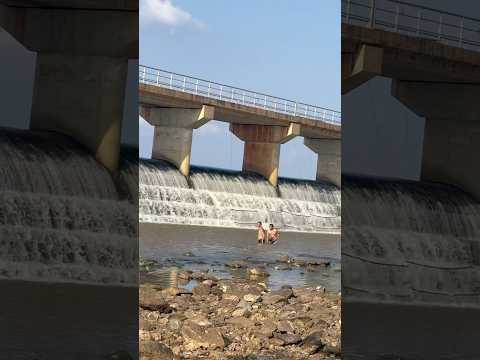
[272,234]
[260,233]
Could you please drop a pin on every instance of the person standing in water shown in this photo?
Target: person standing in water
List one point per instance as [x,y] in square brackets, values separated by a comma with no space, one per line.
[272,234]
[260,233]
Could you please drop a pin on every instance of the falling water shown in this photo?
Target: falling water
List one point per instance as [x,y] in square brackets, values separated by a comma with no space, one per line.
[231,199]
[410,242]
[61,215]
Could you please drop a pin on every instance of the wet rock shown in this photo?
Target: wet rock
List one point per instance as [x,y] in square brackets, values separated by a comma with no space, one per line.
[284,259]
[196,337]
[201,276]
[322,263]
[189,254]
[258,272]
[288,339]
[237,264]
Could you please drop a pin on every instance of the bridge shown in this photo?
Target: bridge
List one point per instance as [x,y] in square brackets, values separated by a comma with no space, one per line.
[433,59]
[175,104]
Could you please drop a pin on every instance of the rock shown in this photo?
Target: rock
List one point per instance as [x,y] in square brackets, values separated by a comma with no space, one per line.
[237,264]
[153,300]
[267,328]
[313,342]
[241,322]
[196,337]
[200,320]
[322,263]
[277,296]
[201,290]
[258,272]
[253,298]
[174,291]
[240,312]
[276,342]
[284,259]
[160,350]
[288,339]
[175,324]
[285,326]
[331,349]
[208,282]
[189,254]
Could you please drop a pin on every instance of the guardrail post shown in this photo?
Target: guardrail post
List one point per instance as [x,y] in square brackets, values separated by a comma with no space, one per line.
[306,110]
[397,14]
[314,112]
[184,83]
[372,14]
[265,102]
[196,87]
[460,40]
[158,78]
[221,90]
[171,81]
[233,92]
[419,20]
[243,97]
[295,109]
[209,88]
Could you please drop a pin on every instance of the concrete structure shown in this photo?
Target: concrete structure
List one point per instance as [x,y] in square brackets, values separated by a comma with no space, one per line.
[82,49]
[262,121]
[438,79]
[329,159]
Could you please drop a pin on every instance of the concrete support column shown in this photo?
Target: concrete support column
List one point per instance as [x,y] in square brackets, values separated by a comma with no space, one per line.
[81,73]
[329,151]
[173,132]
[261,153]
[452,130]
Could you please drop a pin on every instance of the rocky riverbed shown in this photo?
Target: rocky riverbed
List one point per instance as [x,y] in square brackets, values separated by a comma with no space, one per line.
[238,319]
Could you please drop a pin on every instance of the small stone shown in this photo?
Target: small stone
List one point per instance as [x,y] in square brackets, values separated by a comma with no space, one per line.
[313,342]
[258,272]
[285,326]
[251,298]
[189,254]
[239,312]
[241,322]
[237,264]
[201,290]
[197,337]
[288,339]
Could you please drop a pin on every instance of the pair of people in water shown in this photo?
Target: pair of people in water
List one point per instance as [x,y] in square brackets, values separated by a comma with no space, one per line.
[269,236]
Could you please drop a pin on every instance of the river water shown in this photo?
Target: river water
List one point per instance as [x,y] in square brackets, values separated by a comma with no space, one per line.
[200,248]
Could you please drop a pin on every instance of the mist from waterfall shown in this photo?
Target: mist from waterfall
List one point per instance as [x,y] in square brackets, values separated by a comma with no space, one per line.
[214,197]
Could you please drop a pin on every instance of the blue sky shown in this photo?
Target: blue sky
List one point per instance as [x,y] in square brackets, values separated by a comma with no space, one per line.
[280,47]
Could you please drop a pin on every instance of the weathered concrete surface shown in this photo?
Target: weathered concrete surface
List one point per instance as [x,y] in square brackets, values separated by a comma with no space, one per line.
[434,80]
[173,133]
[81,72]
[155,96]
[262,147]
[406,57]
[452,130]
[329,162]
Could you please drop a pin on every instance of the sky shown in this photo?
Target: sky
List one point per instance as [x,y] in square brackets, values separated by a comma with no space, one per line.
[266,46]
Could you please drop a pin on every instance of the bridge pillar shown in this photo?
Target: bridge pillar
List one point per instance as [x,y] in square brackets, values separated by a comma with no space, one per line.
[329,153]
[80,72]
[173,132]
[261,153]
[452,130]
[360,65]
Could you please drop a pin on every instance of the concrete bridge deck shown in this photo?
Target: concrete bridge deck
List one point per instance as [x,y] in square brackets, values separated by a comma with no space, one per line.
[162,89]
[176,104]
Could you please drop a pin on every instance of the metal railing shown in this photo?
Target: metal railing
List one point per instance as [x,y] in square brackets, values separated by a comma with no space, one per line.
[402,17]
[192,85]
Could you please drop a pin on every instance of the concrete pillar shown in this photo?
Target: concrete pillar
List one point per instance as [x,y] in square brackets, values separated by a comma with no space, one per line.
[452,130]
[82,62]
[361,66]
[173,132]
[329,153]
[261,153]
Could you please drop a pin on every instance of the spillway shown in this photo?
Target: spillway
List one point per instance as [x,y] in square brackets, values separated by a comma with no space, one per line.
[62,216]
[410,243]
[213,197]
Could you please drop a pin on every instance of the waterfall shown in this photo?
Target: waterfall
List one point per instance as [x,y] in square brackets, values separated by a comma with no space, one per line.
[62,218]
[215,197]
[410,242]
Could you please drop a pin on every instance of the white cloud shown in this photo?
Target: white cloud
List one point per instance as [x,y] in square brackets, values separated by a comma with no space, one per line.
[164,12]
